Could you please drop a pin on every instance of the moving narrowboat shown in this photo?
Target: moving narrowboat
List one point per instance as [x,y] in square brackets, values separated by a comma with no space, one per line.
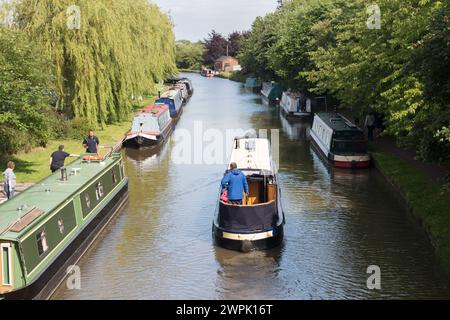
[150,128]
[174,99]
[271,91]
[48,227]
[339,141]
[295,105]
[258,223]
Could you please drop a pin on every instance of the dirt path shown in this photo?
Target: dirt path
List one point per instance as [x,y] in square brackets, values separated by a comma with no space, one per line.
[432,170]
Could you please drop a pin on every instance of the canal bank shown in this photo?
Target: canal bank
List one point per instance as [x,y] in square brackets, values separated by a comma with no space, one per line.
[424,198]
[338,224]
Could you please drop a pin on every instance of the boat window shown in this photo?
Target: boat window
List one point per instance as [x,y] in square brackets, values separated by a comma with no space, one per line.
[99,190]
[114,178]
[348,146]
[88,200]
[42,244]
[61,225]
[6,264]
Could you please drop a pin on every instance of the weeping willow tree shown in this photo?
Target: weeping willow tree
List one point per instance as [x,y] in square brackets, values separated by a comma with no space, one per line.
[103,52]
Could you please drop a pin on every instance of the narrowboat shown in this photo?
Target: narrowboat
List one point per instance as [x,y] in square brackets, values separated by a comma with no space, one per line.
[258,223]
[295,105]
[271,91]
[47,228]
[252,84]
[150,128]
[339,141]
[186,81]
[174,99]
[184,91]
[209,73]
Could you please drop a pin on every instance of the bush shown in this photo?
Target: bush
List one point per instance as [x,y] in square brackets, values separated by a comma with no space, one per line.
[79,127]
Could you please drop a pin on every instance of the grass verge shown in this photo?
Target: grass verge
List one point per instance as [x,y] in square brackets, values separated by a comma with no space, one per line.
[426,200]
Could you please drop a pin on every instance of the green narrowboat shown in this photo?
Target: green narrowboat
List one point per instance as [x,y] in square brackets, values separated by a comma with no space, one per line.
[47,228]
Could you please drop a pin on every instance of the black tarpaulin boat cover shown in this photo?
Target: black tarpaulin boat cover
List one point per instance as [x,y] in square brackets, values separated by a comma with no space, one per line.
[248,218]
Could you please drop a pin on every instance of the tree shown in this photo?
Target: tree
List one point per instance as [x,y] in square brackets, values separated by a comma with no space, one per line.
[26,81]
[189,55]
[234,43]
[215,47]
[400,69]
[120,49]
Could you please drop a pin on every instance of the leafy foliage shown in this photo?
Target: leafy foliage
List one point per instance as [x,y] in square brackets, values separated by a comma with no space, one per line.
[121,49]
[189,55]
[25,115]
[400,69]
[216,46]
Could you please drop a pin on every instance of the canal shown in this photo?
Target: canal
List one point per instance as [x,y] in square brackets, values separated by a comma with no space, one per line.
[338,223]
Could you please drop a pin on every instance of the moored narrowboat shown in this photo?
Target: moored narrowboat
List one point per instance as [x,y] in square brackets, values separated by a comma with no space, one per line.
[339,141]
[206,72]
[271,92]
[258,222]
[252,84]
[294,105]
[184,91]
[150,128]
[174,99]
[47,228]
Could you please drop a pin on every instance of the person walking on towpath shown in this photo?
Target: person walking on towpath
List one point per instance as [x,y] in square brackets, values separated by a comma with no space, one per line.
[91,142]
[9,185]
[236,184]
[58,157]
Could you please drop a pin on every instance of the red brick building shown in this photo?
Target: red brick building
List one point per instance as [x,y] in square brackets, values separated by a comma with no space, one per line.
[226,63]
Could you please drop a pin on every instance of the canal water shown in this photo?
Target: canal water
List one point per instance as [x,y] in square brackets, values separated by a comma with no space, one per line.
[338,224]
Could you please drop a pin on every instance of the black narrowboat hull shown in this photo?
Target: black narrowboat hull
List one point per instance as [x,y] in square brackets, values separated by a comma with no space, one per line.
[265,243]
[332,162]
[53,276]
[143,142]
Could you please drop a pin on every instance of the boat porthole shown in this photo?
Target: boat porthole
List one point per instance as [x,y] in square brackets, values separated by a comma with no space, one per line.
[88,200]
[42,243]
[114,178]
[99,190]
[61,225]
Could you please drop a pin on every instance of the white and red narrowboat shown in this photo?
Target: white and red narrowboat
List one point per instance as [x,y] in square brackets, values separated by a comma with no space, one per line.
[339,141]
[150,128]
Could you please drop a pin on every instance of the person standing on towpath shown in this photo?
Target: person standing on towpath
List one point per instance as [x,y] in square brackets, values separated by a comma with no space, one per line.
[91,142]
[9,185]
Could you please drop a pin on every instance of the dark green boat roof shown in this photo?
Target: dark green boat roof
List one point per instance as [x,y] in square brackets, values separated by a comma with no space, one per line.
[337,122]
[48,201]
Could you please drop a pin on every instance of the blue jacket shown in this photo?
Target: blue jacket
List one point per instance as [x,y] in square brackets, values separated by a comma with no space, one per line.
[237,184]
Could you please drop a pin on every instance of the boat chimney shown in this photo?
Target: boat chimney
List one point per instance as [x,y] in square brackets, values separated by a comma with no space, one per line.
[64,174]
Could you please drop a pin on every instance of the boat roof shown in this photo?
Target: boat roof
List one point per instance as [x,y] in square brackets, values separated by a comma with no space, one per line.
[252,154]
[172,93]
[337,122]
[154,109]
[47,201]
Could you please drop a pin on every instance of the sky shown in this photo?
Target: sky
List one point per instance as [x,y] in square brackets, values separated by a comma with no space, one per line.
[194,19]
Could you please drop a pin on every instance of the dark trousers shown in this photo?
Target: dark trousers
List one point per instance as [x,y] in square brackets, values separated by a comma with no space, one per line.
[238,202]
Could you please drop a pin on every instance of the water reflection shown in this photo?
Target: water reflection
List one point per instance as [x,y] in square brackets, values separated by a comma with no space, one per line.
[338,223]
